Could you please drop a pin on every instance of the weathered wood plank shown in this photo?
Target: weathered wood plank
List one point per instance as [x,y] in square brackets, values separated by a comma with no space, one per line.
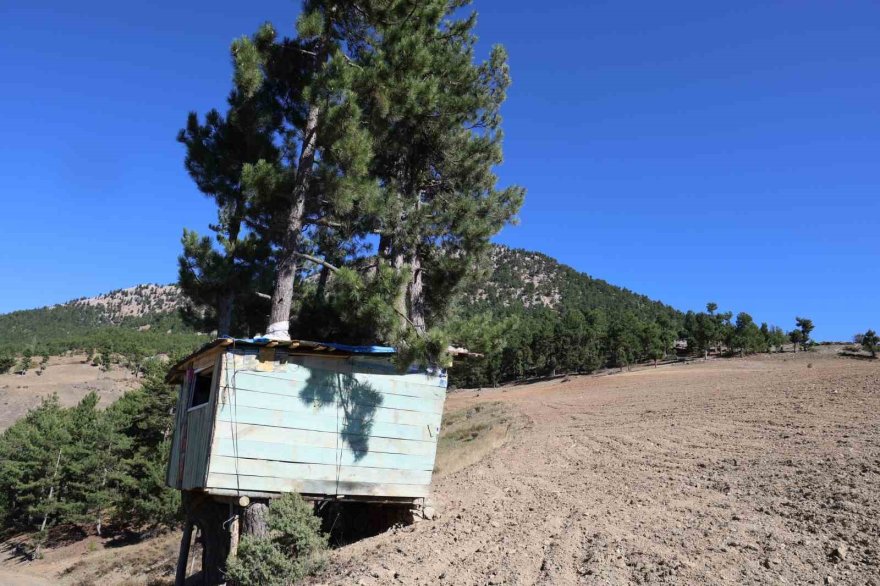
[275,418]
[309,454]
[330,488]
[246,398]
[416,385]
[297,389]
[271,468]
[318,439]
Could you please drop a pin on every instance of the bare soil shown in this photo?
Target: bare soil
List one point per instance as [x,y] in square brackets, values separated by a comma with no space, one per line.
[71,377]
[762,470]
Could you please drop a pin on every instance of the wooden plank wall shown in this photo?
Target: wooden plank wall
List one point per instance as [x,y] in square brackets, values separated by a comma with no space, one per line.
[172,477]
[193,431]
[331,426]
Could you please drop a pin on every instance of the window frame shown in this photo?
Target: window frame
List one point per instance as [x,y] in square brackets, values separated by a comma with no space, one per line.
[192,389]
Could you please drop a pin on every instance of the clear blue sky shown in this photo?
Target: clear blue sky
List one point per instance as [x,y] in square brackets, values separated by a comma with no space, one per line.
[690,151]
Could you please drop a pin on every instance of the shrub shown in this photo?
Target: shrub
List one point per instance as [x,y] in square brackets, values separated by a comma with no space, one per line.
[292,551]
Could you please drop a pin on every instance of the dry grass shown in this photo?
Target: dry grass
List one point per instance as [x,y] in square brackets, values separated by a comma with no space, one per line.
[470,433]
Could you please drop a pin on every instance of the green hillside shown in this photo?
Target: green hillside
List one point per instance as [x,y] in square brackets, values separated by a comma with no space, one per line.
[532,316]
[526,312]
[128,324]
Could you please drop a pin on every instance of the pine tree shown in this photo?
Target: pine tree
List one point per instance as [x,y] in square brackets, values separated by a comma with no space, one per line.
[806,327]
[324,172]
[870,341]
[89,461]
[31,454]
[435,114]
[223,278]
[796,337]
[142,422]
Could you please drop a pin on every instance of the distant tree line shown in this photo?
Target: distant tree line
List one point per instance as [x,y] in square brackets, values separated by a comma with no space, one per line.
[520,343]
[88,467]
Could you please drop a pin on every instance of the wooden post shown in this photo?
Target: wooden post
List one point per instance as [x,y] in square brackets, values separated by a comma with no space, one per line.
[183,556]
[233,536]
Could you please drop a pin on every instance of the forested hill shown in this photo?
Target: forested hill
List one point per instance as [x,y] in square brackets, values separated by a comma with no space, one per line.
[521,279]
[526,312]
[134,322]
[532,316]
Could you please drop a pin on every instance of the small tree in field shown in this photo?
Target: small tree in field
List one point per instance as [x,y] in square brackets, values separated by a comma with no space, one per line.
[26,360]
[796,337]
[776,337]
[806,326]
[870,341]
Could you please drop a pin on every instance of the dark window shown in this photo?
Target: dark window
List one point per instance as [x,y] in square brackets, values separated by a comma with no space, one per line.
[201,389]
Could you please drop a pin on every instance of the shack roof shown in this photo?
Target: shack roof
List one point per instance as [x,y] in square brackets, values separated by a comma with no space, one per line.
[304,346]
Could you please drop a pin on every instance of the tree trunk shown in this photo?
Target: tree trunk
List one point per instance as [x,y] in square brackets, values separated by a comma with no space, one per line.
[282,295]
[224,314]
[398,263]
[416,294]
[322,283]
[51,491]
[254,520]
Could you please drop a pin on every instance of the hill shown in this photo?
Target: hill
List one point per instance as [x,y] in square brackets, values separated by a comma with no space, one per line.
[528,313]
[523,280]
[134,323]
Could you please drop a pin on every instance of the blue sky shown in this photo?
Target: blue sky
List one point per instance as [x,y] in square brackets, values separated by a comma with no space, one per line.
[690,151]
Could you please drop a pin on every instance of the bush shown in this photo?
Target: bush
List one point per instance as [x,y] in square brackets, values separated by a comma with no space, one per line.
[261,563]
[292,551]
[6,364]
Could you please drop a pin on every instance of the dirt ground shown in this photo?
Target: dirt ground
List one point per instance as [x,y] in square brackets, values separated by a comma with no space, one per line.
[72,377]
[762,470]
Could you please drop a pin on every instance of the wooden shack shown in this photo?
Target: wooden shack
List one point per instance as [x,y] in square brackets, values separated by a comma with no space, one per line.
[258,417]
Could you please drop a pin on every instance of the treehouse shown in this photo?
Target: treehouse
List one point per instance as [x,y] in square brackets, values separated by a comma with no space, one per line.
[259,417]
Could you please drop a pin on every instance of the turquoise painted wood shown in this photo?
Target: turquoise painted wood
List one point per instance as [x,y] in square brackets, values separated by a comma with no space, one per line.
[330,423]
[428,399]
[332,456]
[323,425]
[245,398]
[240,484]
[295,379]
[318,439]
[260,467]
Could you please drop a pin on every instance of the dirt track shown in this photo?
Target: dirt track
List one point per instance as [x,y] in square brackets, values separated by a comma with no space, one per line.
[747,471]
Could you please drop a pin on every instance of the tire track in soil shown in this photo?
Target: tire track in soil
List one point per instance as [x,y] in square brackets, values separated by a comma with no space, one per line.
[747,471]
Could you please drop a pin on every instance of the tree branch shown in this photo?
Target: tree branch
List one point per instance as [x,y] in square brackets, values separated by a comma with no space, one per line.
[318,261]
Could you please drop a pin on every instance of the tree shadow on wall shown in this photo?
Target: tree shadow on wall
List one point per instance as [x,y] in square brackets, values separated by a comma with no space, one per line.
[357,400]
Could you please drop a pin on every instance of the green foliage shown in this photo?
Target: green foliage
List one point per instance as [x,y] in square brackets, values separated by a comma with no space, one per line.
[531,316]
[26,360]
[6,363]
[77,327]
[93,463]
[747,337]
[869,341]
[292,550]
[806,326]
[776,338]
